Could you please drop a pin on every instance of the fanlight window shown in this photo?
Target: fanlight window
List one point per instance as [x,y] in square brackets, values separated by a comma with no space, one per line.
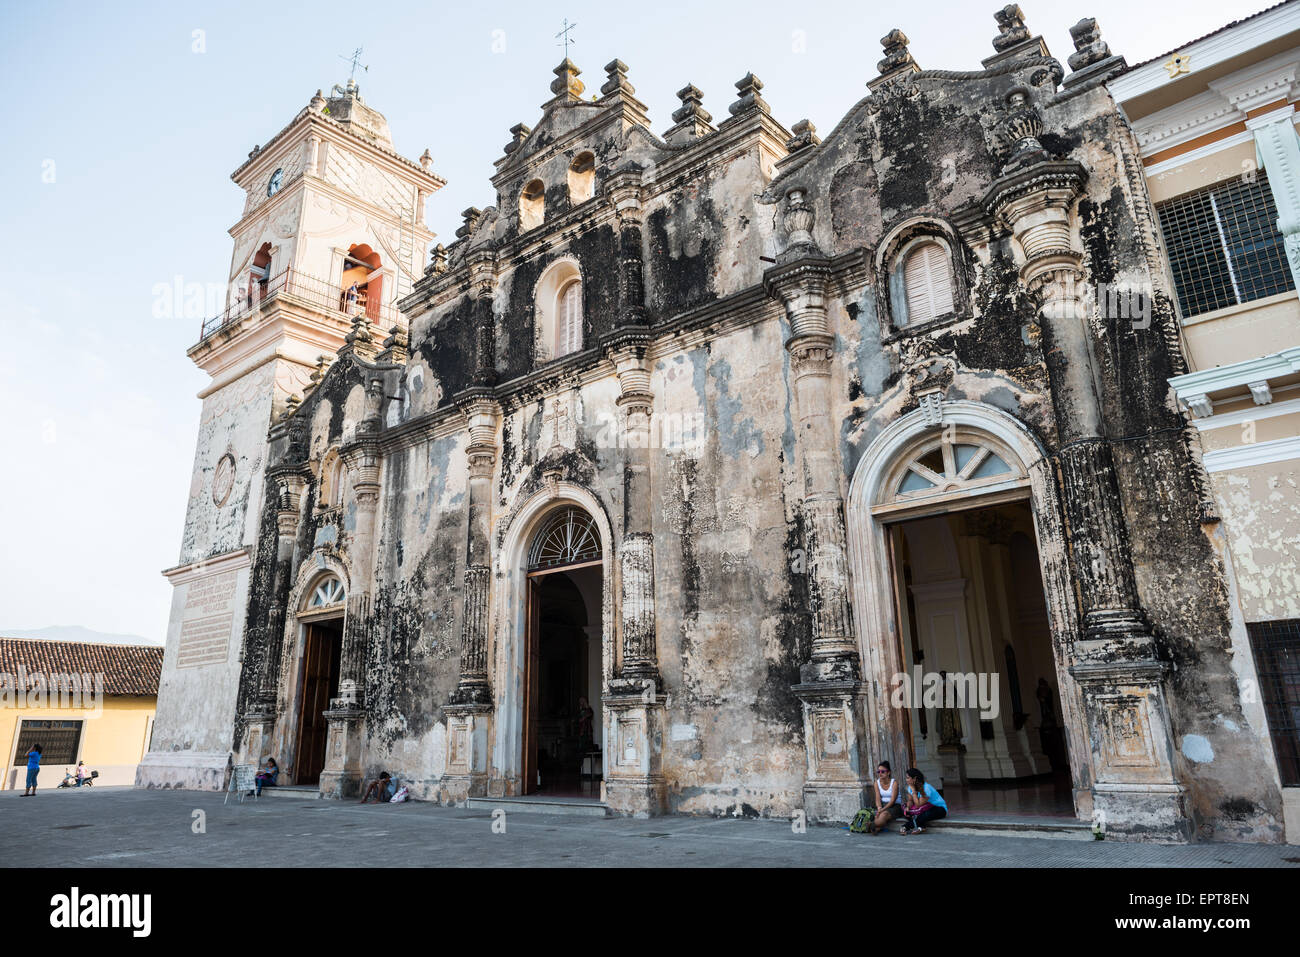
[927,279]
[942,468]
[329,591]
[569,538]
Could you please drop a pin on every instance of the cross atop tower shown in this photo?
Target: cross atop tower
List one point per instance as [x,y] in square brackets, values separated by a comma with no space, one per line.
[565,35]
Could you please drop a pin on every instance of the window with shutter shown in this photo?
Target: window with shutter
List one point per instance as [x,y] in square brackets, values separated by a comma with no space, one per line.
[570,314]
[927,278]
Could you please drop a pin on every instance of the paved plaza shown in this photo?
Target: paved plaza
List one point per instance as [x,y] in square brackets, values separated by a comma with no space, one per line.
[124,827]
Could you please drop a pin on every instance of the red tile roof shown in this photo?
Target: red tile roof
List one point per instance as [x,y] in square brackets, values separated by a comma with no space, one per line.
[127,669]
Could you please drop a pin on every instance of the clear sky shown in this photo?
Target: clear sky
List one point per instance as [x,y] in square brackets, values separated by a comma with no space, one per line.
[123,130]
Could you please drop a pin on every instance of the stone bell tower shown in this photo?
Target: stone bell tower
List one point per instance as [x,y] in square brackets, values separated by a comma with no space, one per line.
[332,233]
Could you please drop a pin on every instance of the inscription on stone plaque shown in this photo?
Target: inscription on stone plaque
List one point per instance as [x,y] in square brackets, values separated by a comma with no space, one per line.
[208,618]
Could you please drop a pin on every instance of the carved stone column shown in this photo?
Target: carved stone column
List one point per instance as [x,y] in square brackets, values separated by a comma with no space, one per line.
[259,720]
[634,781]
[469,712]
[342,773]
[830,685]
[634,706]
[1135,790]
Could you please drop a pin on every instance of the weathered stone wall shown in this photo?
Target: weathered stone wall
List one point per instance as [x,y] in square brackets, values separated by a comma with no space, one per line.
[730,476]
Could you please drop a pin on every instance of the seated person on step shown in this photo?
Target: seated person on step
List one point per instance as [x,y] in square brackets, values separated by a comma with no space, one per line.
[268,777]
[889,807]
[924,804]
[383,788]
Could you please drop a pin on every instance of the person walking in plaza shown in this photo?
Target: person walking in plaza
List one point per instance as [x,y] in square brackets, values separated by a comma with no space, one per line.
[33,768]
[888,806]
[924,803]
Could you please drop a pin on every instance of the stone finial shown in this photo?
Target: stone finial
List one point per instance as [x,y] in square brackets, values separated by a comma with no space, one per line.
[1089,47]
[518,133]
[359,339]
[798,219]
[317,102]
[290,407]
[471,216]
[691,108]
[396,346]
[897,56]
[1018,131]
[748,85]
[1011,27]
[437,259]
[426,159]
[616,79]
[254,151]
[805,135]
[566,82]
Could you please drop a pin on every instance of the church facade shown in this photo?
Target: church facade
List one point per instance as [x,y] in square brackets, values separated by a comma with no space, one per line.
[677,476]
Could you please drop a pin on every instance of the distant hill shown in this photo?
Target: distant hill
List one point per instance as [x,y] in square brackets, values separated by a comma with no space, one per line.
[77,633]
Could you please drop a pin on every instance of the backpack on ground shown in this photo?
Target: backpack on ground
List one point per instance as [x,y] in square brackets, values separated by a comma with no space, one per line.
[861,820]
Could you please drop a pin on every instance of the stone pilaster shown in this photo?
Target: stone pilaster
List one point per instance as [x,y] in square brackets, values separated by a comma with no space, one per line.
[259,719]
[830,684]
[482,413]
[634,781]
[1135,790]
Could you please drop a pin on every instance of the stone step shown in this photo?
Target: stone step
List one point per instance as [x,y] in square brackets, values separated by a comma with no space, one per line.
[587,807]
[300,791]
[1060,829]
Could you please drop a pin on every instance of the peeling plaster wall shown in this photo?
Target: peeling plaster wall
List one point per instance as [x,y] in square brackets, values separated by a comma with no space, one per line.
[1261,511]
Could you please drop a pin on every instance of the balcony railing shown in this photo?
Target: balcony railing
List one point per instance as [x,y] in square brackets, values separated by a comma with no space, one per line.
[319,293]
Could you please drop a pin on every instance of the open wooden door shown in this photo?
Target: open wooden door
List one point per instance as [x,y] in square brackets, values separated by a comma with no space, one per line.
[532,686]
[320,677]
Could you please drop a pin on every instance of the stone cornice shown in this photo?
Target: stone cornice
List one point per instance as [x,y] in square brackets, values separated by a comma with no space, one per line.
[226,562]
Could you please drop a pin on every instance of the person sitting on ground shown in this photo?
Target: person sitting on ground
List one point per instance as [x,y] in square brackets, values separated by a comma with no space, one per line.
[268,777]
[924,803]
[33,768]
[383,788]
[888,806]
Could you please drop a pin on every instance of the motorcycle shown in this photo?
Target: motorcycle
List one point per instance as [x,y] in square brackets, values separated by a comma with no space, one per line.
[70,780]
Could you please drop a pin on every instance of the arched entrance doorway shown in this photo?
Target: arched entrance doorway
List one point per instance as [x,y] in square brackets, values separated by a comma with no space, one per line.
[562,726]
[321,622]
[965,612]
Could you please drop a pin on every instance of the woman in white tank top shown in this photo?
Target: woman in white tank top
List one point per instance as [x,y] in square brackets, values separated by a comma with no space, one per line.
[887,806]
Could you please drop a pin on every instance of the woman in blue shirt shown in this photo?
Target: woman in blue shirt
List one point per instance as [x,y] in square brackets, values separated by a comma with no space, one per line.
[33,769]
[924,803]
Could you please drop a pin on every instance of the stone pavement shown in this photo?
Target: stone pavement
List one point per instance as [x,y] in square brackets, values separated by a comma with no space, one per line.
[110,827]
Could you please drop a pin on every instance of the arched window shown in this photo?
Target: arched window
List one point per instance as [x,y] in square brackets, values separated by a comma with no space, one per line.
[532,205]
[927,282]
[582,178]
[362,282]
[558,311]
[331,481]
[328,591]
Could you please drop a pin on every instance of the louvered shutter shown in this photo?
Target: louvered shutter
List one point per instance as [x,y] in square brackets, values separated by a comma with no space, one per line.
[928,282]
[570,318]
